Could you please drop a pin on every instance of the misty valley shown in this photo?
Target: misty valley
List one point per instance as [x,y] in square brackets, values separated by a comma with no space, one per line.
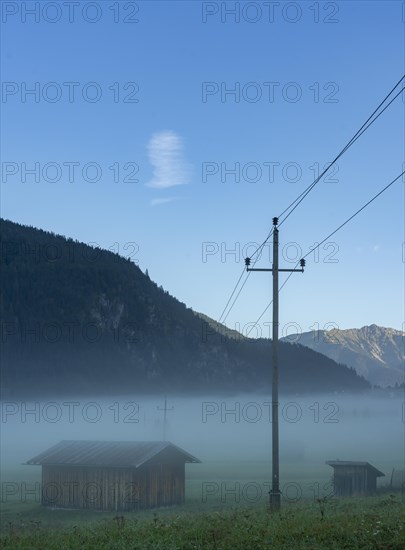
[126,415]
[231,435]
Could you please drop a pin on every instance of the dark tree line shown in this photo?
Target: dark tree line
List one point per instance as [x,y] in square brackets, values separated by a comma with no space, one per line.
[77,319]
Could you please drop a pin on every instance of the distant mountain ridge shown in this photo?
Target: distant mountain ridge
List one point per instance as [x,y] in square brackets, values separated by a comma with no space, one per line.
[81,320]
[376,353]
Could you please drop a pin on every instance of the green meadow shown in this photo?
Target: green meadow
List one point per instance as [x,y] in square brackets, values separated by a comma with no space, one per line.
[220,513]
[375,522]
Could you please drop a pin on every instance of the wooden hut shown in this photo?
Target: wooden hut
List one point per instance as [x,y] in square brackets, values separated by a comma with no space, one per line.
[113,475]
[354,478]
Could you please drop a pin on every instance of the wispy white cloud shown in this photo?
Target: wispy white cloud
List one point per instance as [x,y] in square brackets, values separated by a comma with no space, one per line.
[156,202]
[166,155]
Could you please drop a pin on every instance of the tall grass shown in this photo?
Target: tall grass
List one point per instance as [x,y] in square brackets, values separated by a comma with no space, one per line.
[367,523]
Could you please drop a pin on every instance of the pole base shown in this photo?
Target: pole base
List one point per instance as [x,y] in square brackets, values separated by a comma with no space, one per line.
[275,501]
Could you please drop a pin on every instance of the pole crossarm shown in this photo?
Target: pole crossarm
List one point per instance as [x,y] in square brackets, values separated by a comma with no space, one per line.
[275,493]
[268,269]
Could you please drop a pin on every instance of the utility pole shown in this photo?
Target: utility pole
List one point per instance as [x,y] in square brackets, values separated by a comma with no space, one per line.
[275,494]
[165,409]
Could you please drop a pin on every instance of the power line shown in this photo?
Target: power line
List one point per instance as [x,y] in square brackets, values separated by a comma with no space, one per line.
[356,136]
[359,133]
[269,304]
[355,214]
[230,297]
[303,195]
[263,243]
[222,320]
[330,235]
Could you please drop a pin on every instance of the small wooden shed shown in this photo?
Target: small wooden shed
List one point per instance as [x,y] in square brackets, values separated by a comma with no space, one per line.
[354,478]
[113,475]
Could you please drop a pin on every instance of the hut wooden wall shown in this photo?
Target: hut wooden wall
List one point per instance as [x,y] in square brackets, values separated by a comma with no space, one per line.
[115,489]
[354,480]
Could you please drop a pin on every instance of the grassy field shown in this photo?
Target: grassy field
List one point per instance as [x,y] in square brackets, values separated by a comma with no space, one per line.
[375,522]
[220,513]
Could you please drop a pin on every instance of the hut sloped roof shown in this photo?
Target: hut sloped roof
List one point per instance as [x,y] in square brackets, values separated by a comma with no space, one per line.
[116,454]
[343,463]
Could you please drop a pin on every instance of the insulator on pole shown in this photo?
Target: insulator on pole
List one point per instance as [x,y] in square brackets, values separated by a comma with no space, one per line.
[275,221]
[247,262]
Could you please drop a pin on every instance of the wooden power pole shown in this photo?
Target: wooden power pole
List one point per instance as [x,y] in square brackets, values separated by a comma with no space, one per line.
[275,494]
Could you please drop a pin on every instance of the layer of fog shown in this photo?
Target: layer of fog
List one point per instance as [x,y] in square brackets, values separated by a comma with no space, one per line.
[231,430]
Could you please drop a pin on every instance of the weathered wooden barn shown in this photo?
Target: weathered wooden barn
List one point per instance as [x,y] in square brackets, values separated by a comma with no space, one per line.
[113,475]
[354,478]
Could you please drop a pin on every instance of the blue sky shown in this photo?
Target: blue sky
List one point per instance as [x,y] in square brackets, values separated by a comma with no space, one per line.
[303,89]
